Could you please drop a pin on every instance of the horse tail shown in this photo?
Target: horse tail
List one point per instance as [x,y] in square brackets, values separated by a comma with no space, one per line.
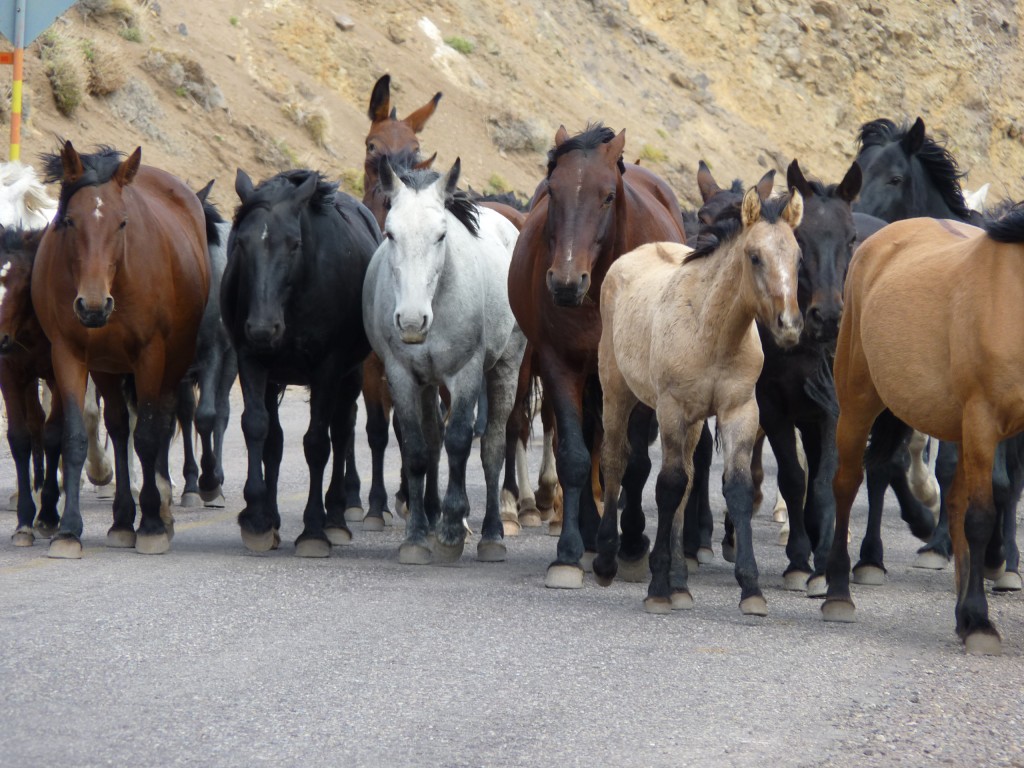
[888,435]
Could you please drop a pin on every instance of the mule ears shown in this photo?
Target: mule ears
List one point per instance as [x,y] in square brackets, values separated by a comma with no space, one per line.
[914,139]
[793,213]
[450,181]
[561,136]
[849,187]
[71,162]
[380,100]
[419,118]
[204,193]
[243,185]
[125,173]
[766,185]
[750,208]
[706,182]
[795,179]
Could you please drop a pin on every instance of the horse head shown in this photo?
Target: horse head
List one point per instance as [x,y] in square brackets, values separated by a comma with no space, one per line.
[415,242]
[826,236]
[91,223]
[771,258]
[17,254]
[267,245]
[717,200]
[390,137]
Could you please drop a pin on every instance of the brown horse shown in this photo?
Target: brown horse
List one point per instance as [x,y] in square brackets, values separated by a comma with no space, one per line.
[951,368]
[590,209]
[130,238]
[679,336]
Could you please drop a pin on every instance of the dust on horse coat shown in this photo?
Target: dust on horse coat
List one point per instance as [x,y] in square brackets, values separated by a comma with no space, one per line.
[437,313]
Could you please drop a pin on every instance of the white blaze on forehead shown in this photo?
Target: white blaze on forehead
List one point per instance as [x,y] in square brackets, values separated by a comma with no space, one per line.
[576,204]
[99,204]
[265,234]
[3,275]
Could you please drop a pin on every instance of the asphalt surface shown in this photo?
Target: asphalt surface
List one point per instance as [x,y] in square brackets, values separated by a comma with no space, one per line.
[213,656]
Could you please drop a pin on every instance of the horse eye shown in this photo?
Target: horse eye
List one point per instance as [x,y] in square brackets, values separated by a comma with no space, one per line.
[755,259]
[610,198]
[389,236]
[441,238]
[895,181]
[123,224]
[68,221]
[371,148]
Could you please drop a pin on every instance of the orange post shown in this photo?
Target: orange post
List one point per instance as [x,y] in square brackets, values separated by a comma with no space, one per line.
[19,64]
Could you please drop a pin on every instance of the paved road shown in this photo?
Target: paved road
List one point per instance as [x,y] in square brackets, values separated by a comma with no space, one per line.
[212,656]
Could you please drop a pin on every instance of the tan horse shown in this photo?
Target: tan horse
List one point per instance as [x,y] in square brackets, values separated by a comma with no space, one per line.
[951,368]
[679,336]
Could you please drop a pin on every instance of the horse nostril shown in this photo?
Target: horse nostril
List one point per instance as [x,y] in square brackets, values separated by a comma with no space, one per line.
[814,314]
[423,325]
[80,305]
[108,305]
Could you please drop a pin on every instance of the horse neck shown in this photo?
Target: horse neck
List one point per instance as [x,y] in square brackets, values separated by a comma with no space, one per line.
[728,305]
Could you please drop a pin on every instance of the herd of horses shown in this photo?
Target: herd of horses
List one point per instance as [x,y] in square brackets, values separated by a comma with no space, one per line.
[632,319]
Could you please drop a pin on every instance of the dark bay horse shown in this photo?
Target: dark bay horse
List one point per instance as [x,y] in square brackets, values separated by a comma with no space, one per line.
[24,360]
[590,209]
[929,332]
[291,300]
[119,286]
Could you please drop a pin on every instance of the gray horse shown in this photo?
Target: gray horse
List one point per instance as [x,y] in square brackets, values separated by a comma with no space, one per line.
[436,311]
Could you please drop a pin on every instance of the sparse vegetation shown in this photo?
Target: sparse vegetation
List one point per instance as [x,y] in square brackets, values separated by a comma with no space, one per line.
[234,21]
[352,181]
[496,185]
[652,154]
[58,58]
[313,117]
[105,71]
[460,44]
[183,76]
[514,134]
[131,34]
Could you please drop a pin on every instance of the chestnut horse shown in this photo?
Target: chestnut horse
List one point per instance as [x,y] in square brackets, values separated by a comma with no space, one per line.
[589,210]
[949,368]
[132,238]
[679,335]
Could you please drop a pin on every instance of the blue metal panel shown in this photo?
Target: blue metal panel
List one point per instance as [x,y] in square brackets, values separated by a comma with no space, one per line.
[39,15]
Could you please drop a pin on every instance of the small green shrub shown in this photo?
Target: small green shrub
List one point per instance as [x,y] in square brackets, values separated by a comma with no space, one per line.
[131,34]
[460,44]
[652,154]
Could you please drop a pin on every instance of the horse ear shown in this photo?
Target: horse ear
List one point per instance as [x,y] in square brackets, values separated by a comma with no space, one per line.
[419,118]
[380,100]
[766,185]
[450,182]
[387,179]
[304,192]
[750,209]
[71,162]
[706,182]
[793,213]
[617,145]
[561,136]
[795,178]
[422,165]
[243,185]
[125,173]
[914,139]
[849,187]
[203,193]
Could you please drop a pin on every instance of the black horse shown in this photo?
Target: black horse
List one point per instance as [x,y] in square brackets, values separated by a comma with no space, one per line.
[291,299]
[907,173]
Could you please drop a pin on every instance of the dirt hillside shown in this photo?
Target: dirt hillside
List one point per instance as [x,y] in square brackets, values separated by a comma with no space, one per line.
[206,87]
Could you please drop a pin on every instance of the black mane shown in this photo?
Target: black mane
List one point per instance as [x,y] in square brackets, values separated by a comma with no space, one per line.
[1008,228]
[99,166]
[458,203]
[728,225]
[595,134]
[213,218]
[280,187]
[15,240]
[938,163]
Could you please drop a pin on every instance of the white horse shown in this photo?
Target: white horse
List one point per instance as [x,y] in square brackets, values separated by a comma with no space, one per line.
[436,311]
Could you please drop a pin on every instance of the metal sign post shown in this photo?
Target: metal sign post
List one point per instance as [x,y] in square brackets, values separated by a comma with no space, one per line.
[19,69]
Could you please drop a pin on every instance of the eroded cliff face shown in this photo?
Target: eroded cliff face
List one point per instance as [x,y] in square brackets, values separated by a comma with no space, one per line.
[743,84]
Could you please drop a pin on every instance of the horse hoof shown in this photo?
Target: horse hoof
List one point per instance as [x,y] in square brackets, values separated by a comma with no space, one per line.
[448,553]
[217,502]
[836,609]
[44,531]
[99,477]
[635,571]
[354,514]
[25,537]
[311,547]
[402,509]
[121,538]
[545,513]
[389,519]
[555,528]
[931,560]
[530,518]
[212,494]
[869,575]
[705,555]
[491,552]
[682,601]
[150,544]
[189,500]
[780,514]
[564,576]
[511,527]
[587,562]
[994,574]
[783,539]
[1008,582]
[817,586]
[796,581]
[755,605]
[373,524]
[414,554]
[65,547]
[337,536]
[729,553]
[658,605]
[261,542]
[983,644]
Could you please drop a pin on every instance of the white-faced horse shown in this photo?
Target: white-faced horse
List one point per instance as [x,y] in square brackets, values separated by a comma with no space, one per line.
[436,311]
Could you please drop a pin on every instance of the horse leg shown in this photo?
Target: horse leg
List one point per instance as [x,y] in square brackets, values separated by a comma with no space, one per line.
[343,430]
[518,506]
[923,484]
[458,442]
[71,376]
[20,438]
[316,445]
[153,431]
[212,414]
[256,520]
[53,434]
[115,413]
[995,550]
[870,568]
[757,469]
[186,414]
[589,514]
[1010,580]
[34,419]
[820,507]
[97,466]
[971,526]
[634,564]
[352,483]
[550,500]
[377,427]
[936,553]
[416,456]
[792,485]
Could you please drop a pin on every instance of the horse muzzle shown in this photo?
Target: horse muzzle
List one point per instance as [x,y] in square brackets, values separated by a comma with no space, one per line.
[93,317]
[264,336]
[787,328]
[411,332]
[568,293]
[822,326]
